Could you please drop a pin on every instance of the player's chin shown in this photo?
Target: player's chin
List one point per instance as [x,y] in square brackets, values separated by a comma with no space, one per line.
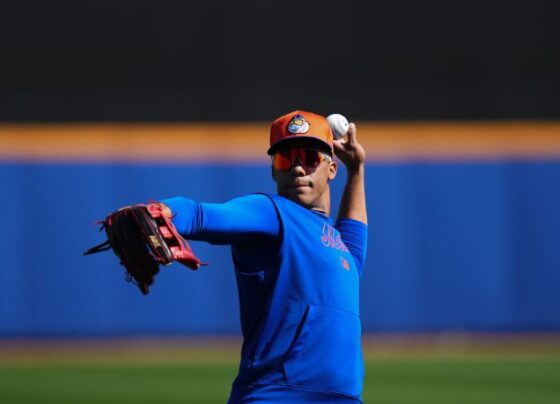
[300,195]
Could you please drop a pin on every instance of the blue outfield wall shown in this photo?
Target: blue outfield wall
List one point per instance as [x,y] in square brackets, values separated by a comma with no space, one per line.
[452,246]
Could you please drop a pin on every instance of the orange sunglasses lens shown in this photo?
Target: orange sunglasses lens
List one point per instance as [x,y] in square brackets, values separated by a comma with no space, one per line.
[284,159]
[281,161]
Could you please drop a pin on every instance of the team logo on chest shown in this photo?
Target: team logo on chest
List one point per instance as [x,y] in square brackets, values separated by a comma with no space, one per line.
[331,238]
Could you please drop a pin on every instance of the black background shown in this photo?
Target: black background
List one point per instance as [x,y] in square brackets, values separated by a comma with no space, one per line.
[254,60]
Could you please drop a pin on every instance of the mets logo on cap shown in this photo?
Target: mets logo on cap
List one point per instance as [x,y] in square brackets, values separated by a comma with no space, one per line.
[298,125]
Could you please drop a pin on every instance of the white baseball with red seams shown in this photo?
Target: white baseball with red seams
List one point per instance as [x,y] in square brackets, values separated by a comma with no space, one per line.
[338,124]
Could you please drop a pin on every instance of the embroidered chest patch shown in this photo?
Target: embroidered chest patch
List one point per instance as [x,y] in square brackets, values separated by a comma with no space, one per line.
[331,238]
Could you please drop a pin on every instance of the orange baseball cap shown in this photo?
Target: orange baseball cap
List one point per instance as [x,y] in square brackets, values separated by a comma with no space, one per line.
[300,126]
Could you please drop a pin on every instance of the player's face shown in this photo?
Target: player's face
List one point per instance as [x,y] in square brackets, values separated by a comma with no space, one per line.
[302,175]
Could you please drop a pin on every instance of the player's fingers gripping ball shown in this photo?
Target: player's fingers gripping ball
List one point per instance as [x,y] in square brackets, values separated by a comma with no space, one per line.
[338,124]
[143,237]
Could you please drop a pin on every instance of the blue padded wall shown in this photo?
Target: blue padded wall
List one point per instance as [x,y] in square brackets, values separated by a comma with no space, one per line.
[455,245]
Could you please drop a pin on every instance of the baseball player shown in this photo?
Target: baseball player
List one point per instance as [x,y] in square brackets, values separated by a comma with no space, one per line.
[297,272]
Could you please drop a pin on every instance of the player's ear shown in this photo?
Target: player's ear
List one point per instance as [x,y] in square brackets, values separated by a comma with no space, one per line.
[273,173]
[333,169]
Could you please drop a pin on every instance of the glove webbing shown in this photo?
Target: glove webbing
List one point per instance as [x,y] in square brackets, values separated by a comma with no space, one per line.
[140,265]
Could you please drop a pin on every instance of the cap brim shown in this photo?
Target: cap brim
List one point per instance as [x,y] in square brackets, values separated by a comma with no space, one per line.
[301,141]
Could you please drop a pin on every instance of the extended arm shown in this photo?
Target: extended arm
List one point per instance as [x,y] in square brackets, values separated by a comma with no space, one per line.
[238,220]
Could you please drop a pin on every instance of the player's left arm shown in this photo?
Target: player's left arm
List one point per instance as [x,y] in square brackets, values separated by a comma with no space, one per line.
[352,215]
[353,155]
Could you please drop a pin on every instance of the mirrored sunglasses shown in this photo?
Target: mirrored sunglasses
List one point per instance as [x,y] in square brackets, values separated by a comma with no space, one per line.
[284,159]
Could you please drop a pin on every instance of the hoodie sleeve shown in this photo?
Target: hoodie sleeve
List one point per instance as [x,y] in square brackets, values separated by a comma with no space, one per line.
[238,220]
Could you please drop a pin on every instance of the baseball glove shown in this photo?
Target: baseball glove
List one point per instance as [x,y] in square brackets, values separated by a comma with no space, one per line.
[143,237]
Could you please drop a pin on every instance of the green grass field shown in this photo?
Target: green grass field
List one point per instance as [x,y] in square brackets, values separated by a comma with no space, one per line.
[186,378]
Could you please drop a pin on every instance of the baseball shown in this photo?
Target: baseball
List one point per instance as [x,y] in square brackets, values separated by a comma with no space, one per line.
[338,124]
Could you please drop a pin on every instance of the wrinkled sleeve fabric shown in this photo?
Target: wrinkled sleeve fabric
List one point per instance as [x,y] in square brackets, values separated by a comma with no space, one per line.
[354,236]
[238,220]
